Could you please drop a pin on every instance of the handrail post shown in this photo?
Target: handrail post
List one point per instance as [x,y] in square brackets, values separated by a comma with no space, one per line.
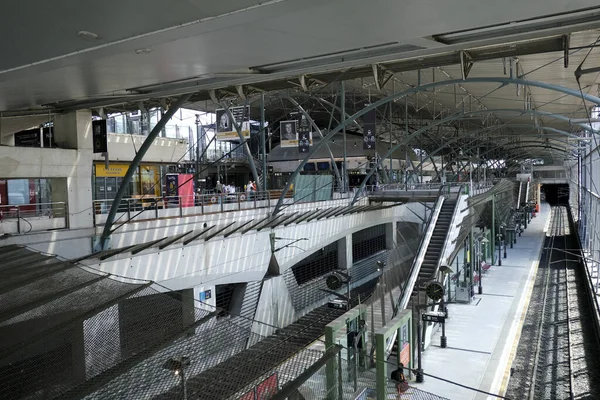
[18,219]
[202,204]
[66,215]
[222,200]
[128,209]
[239,202]
[180,200]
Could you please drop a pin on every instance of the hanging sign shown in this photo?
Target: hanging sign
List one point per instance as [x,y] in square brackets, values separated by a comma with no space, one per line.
[304,135]
[288,133]
[99,136]
[226,129]
[369,125]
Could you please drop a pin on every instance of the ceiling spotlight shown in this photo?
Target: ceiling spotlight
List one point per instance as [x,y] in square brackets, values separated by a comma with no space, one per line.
[145,50]
[88,35]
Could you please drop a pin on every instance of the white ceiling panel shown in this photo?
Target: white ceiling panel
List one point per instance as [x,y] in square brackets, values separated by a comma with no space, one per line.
[46,61]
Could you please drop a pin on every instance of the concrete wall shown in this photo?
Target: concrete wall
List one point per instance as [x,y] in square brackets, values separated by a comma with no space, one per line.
[30,162]
[121,148]
[274,307]
[238,258]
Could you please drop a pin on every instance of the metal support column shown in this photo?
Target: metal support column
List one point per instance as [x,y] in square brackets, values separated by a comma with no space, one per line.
[134,165]
[493,238]
[263,142]
[343,109]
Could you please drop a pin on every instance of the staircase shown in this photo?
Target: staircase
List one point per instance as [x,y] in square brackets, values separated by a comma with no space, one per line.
[523,194]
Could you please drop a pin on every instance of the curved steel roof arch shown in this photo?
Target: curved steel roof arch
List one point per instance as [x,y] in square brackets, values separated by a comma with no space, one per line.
[430,155]
[380,102]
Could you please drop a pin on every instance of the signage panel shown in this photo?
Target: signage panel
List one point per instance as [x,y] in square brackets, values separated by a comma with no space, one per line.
[226,128]
[99,136]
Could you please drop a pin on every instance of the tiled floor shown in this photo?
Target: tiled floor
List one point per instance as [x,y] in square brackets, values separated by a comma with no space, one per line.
[483,335]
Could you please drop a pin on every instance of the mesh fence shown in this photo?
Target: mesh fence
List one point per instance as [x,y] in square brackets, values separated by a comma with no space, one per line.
[76,334]
[351,380]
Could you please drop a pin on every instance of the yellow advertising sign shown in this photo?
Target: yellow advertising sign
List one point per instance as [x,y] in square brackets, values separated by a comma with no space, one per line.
[113,170]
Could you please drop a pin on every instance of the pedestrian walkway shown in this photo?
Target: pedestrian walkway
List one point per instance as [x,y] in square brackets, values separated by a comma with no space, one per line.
[483,335]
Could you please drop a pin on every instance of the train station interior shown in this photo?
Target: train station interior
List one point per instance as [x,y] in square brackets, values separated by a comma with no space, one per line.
[298,199]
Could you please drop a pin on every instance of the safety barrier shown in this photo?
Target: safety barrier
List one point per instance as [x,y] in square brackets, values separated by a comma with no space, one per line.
[26,218]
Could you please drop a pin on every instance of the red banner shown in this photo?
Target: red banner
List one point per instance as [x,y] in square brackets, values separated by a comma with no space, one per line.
[186,189]
[248,396]
[267,388]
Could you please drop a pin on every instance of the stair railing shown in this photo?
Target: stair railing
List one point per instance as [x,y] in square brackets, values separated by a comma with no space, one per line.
[409,284]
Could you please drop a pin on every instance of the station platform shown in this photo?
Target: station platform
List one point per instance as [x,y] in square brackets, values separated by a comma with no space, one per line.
[483,336]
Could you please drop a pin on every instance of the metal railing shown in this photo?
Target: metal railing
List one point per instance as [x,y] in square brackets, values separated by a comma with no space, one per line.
[152,207]
[25,218]
[149,207]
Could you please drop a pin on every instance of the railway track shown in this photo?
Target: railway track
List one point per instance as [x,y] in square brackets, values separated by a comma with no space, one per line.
[558,356]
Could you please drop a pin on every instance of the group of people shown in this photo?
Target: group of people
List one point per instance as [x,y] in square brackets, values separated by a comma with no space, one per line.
[229,190]
[224,189]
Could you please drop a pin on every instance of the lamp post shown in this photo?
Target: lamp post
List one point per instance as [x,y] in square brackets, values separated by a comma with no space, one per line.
[499,238]
[482,240]
[503,230]
[445,270]
[177,365]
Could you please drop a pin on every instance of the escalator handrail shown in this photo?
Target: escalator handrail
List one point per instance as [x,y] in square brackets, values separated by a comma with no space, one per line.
[409,284]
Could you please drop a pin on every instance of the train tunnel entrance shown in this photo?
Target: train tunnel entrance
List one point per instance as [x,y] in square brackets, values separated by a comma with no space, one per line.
[555,194]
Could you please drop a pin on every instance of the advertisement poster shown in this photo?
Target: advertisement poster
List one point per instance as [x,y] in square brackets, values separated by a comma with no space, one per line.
[171,185]
[369,126]
[304,135]
[267,388]
[226,128]
[149,177]
[405,355]
[288,133]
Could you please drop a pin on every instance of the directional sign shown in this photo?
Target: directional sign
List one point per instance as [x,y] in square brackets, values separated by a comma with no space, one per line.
[434,317]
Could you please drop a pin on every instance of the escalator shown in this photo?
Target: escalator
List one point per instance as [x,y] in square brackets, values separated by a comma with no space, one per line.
[518,191]
[522,196]
[433,253]
[438,238]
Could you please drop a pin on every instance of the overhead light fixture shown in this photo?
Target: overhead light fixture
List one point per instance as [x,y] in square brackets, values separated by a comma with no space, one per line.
[88,35]
[145,50]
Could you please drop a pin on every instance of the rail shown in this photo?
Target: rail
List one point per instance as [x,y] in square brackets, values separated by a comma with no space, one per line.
[151,207]
[26,218]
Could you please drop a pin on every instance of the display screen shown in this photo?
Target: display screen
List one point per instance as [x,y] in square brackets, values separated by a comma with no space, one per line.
[309,167]
[323,166]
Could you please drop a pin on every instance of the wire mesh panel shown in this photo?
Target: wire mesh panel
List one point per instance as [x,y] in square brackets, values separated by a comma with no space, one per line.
[367,242]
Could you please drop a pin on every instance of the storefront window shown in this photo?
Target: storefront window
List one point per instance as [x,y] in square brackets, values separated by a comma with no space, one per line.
[150,180]
[145,182]
[25,191]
